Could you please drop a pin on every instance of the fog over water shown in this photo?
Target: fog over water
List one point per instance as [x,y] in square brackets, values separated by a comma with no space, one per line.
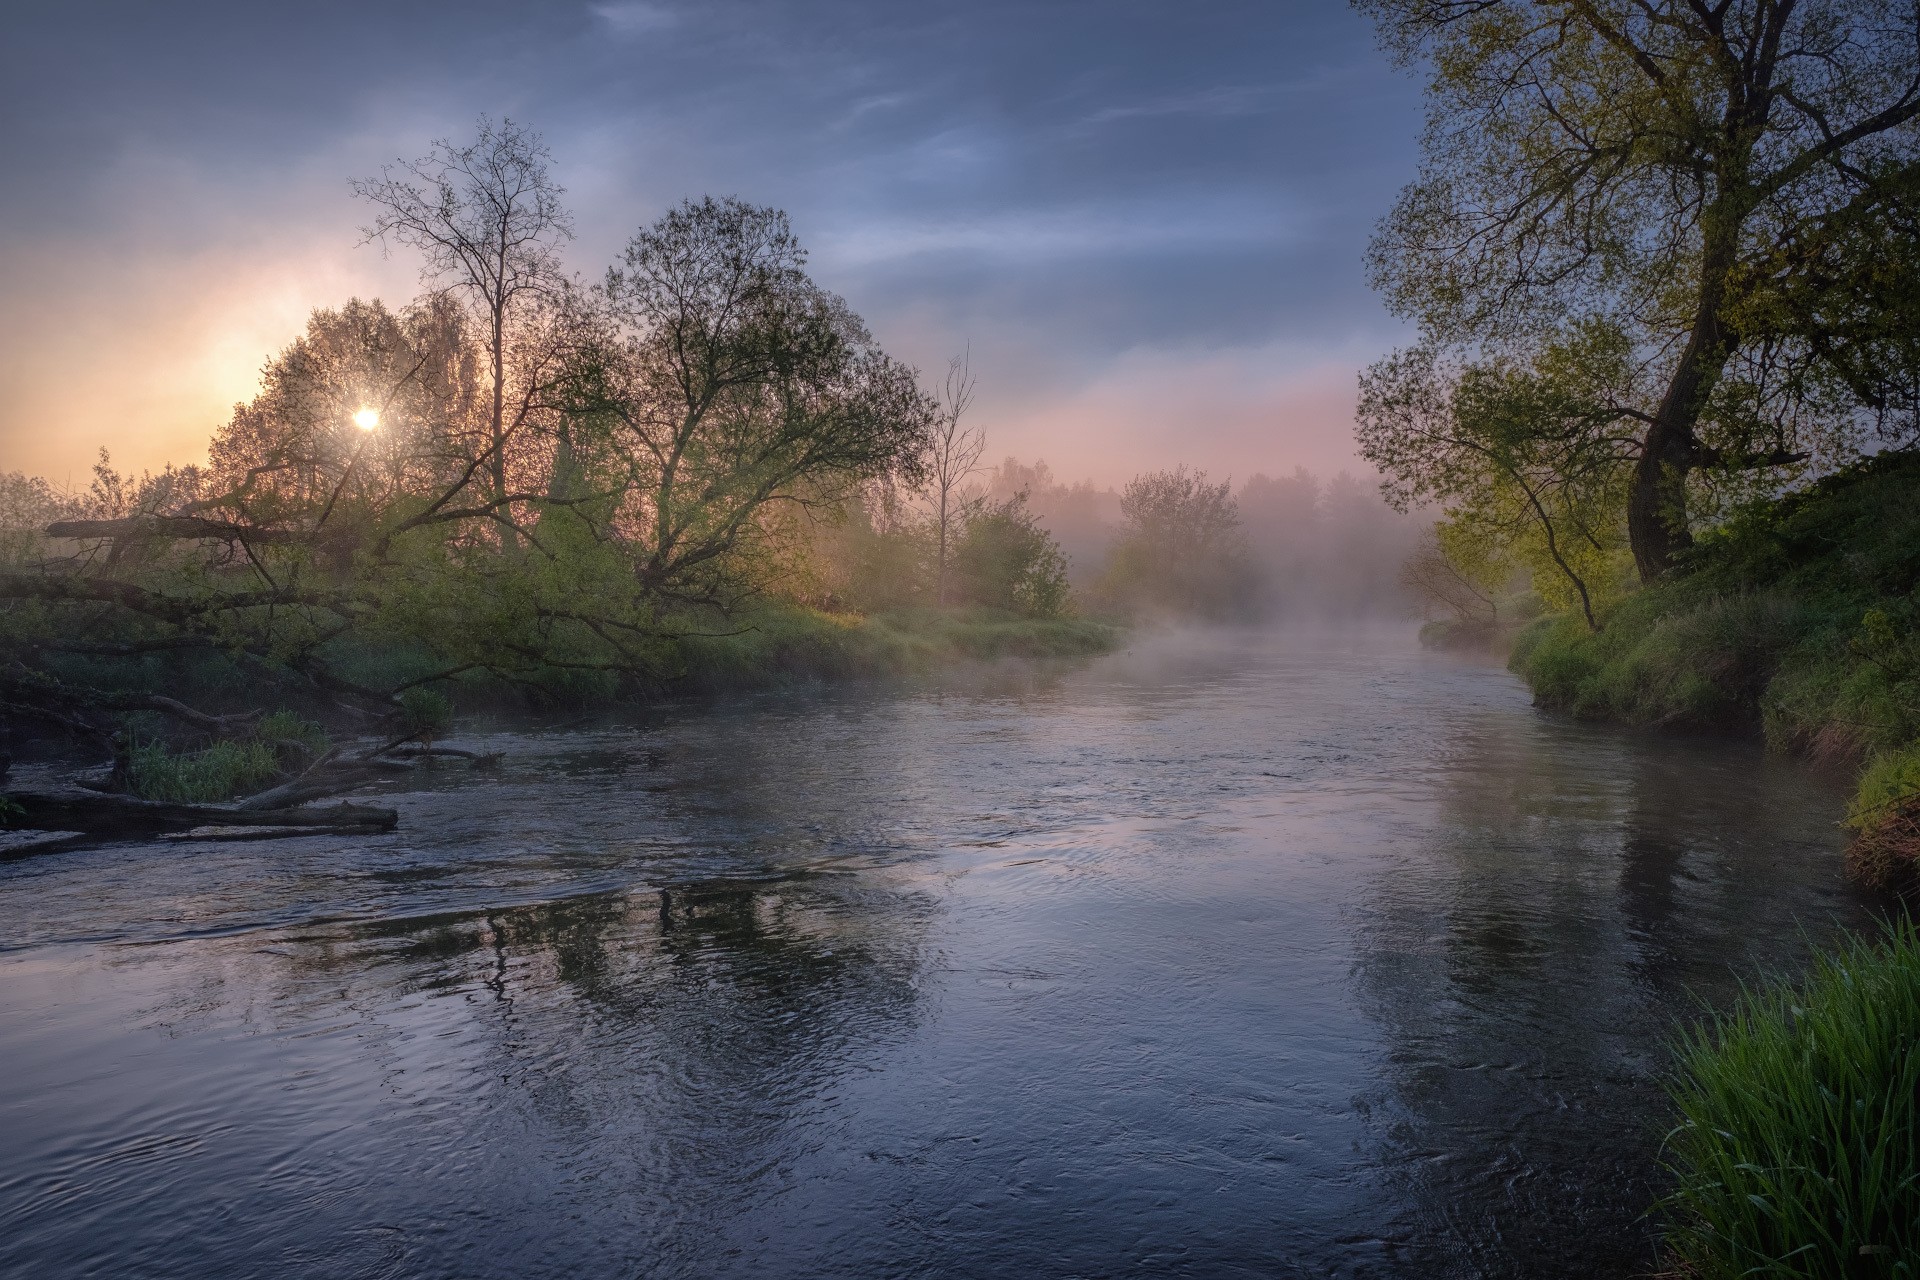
[1234,953]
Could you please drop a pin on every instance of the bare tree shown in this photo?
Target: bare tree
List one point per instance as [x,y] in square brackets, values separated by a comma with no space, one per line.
[954,456]
[487,218]
[1435,581]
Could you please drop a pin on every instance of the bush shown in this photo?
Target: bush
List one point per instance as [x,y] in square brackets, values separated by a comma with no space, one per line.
[285,726]
[1005,560]
[1798,1148]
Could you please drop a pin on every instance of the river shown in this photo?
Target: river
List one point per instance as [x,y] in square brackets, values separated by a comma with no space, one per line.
[1226,955]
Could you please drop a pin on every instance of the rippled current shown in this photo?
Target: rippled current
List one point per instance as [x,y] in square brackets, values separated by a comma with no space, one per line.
[1224,956]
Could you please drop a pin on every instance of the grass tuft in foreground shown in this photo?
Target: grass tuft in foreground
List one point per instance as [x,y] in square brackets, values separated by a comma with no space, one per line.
[1798,1149]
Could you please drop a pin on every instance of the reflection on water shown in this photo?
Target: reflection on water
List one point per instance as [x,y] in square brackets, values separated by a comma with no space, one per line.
[1233,956]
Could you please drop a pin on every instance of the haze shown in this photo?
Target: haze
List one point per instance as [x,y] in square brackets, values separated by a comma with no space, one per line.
[1147,220]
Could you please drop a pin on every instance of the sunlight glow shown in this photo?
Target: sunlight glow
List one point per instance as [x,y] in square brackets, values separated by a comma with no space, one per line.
[367,419]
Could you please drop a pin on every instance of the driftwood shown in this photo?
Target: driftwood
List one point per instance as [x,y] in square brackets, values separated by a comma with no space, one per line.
[96,814]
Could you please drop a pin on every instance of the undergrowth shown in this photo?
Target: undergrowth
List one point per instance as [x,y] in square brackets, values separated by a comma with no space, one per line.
[219,772]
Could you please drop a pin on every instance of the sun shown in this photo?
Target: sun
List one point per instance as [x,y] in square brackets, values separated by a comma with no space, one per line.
[367,419]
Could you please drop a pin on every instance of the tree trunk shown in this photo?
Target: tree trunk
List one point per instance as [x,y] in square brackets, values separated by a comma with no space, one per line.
[1657,504]
[940,556]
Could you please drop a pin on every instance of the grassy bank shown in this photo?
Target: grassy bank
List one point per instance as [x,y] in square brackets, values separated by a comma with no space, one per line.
[772,644]
[1798,619]
[786,643]
[1799,1115]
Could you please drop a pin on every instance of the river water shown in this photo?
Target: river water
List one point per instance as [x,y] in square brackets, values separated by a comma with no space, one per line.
[1222,956]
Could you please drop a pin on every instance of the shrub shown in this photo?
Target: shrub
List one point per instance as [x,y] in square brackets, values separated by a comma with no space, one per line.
[1798,1148]
[1005,560]
[285,726]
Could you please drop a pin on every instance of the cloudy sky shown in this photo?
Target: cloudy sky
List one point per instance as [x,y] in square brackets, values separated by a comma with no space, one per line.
[1146,219]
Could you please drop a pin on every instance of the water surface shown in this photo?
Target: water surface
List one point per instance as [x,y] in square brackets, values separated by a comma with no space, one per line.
[1224,956]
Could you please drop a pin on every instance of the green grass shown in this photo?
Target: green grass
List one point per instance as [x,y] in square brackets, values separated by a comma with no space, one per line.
[1796,617]
[1798,1147]
[285,726]
[227,769]
[219,772]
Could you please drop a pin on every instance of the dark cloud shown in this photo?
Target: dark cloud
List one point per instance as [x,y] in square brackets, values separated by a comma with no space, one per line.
[1070,183]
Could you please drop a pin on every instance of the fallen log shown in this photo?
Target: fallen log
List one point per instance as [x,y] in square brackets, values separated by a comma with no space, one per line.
[96,814]
[15,845]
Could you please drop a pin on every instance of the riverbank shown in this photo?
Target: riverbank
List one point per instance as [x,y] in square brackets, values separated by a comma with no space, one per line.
[1795,621]
[771,645]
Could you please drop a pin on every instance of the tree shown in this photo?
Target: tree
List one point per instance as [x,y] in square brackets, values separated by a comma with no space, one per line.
[953,455]
[487,220]
[1457,575]
[1180,549]
[724,382]
[1003,559]
[1530,454]
[1730,183]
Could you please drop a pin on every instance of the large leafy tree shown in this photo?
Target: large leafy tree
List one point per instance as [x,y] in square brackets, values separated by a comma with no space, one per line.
[725,385]
[1731,185]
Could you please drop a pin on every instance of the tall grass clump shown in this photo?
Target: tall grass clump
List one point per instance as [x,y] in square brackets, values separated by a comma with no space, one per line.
[1798,1148]
[220,772]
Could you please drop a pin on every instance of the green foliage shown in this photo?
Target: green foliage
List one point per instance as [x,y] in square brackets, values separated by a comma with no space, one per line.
[1592,167]
[219,772]
[286,726]
[1890,778]
[425,711]
[1526,459]
[1180,552]
[1798,1147]
[1794,617]
[1005,560]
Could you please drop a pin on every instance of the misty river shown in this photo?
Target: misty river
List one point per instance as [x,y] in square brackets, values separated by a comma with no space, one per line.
[1227,955]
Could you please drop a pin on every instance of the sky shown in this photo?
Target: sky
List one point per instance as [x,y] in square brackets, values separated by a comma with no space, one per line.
[1145,221]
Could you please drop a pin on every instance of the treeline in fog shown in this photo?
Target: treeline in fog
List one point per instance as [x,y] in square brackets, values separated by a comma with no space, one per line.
[1175,542]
